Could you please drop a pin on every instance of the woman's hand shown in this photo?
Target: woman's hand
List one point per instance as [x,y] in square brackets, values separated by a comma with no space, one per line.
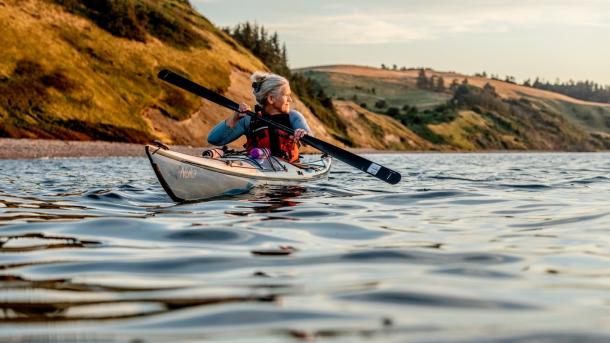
[235,117]
[298,134]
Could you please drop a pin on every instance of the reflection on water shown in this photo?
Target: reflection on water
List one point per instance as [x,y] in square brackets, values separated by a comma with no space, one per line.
[484,247]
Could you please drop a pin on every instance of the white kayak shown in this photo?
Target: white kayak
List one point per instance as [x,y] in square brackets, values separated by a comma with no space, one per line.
[187,178]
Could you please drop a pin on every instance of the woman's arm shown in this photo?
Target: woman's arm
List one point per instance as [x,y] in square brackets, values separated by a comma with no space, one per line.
[231,128]
[223,134]
[297,120]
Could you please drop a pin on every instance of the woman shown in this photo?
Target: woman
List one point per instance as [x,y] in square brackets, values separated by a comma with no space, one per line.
[273,97]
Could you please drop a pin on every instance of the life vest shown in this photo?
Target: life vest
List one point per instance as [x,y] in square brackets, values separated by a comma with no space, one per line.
[260,135]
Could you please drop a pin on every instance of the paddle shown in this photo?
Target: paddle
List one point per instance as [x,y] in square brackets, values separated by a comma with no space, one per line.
[359,162]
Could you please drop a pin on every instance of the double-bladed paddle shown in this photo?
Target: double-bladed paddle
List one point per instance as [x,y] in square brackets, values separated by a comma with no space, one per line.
[359,162]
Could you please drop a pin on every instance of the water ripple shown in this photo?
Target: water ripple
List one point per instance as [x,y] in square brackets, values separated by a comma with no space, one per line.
[468,247]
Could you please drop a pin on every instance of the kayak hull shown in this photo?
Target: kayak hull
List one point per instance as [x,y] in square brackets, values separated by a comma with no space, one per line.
[189,178]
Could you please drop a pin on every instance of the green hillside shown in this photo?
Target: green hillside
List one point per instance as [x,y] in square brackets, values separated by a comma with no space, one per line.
[471,113]
[86,70]
[368,90]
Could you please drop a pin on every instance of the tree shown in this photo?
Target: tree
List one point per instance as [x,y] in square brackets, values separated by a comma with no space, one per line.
[440,84]
[393,111]
[422,80]
[454,85]
[488,88]
[381,104]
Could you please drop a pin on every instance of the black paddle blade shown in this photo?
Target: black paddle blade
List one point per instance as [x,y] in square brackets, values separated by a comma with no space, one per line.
[356,161]
[382,173]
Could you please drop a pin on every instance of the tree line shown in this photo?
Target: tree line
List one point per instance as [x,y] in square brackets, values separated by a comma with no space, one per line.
[583,90]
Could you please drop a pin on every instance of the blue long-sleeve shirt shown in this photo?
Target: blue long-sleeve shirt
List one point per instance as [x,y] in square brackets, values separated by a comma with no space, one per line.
[222,134]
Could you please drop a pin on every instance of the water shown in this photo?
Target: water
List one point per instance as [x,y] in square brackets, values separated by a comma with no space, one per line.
[468,247]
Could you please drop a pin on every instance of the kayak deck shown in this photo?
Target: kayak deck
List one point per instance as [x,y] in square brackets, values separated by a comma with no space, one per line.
[188,178]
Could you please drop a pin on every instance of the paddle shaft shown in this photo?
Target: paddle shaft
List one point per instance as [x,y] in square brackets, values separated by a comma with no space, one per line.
[356,161]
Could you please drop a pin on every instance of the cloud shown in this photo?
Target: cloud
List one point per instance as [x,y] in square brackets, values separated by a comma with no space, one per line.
[357,24]
[351,29]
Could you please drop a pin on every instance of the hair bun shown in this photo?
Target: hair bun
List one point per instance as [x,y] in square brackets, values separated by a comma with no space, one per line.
[257,86]
[259,77]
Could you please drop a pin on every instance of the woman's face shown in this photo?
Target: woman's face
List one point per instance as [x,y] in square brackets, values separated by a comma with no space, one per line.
[280,103]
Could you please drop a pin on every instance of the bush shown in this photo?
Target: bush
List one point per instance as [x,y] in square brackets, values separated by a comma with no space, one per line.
[27,68]
[175,104]
[58,80]
[133,19]
[381,104]
[393,111]
[26,91]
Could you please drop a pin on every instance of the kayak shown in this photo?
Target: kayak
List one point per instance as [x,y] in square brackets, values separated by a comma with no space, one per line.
[188,178]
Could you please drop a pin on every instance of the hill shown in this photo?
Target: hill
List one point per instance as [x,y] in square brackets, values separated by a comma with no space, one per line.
[87,71]
[483,114]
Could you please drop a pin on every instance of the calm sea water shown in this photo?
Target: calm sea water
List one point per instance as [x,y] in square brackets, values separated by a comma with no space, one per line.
[468,247]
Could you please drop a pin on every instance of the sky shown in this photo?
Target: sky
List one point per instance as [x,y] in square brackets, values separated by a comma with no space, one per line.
[565,39]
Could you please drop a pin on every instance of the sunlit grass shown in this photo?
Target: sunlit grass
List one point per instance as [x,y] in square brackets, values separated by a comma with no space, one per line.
[113,79]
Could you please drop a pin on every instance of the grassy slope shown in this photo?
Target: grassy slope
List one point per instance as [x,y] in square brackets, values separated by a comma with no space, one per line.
[545,121]
[396,90]
[113,80]
[371,130]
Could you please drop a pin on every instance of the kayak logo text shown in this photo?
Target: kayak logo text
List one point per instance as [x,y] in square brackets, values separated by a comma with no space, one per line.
[187,173]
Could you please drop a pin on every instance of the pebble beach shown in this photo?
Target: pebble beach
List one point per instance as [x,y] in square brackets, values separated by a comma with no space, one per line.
[46,148]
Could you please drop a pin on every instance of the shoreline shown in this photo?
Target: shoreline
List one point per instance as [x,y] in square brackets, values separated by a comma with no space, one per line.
[11,148]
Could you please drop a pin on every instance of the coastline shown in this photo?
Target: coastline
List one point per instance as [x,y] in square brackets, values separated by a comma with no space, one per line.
[25,148]
[11,148]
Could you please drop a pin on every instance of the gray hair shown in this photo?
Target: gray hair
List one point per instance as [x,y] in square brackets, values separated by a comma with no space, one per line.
[265,84]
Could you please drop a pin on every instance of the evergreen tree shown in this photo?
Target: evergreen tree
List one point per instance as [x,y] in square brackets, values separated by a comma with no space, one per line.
[440,84]
[422,80]
[584,90]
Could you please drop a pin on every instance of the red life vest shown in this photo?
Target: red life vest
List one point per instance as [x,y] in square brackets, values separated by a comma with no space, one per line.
[260,135]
